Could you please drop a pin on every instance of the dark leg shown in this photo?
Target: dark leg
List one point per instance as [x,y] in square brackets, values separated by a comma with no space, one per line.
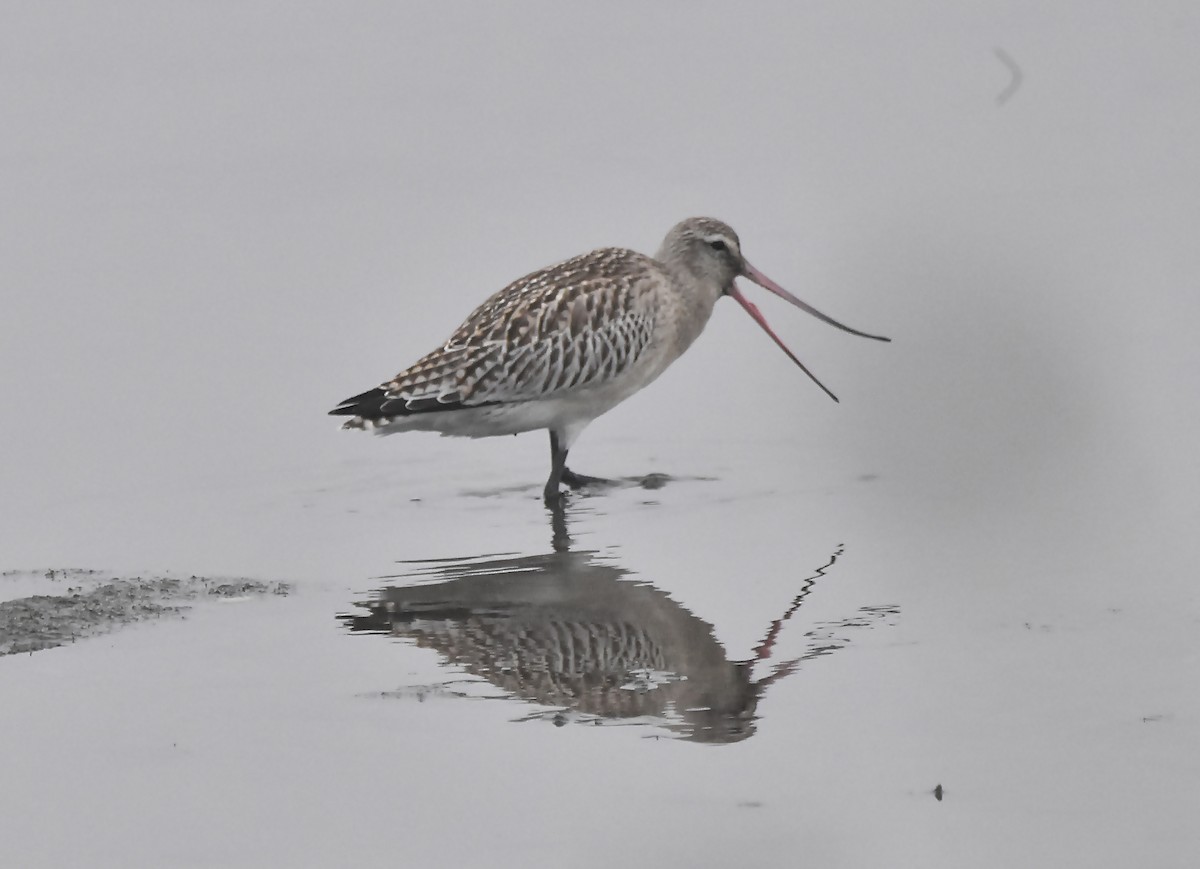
[561,474]
[558,464]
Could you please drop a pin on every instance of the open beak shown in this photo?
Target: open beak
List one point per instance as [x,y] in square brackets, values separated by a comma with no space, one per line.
[766,283]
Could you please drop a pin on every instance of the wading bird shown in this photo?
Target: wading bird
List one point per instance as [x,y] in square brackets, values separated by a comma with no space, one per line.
[563,345]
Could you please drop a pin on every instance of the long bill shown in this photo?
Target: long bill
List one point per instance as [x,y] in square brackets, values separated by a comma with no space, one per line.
[767,284]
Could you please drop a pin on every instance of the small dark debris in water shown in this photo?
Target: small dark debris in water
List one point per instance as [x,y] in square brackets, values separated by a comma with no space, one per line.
[96,603]
[655,481]
[1146,719]
[750,804]
[867,478]
[937,793]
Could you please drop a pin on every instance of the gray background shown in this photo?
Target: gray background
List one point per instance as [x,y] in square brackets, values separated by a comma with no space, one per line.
[220,219]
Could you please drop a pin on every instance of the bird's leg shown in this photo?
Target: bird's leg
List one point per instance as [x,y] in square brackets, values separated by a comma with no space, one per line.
[560,473]
[558,463]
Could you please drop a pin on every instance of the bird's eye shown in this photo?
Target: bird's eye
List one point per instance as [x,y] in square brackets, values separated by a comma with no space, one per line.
[718,244]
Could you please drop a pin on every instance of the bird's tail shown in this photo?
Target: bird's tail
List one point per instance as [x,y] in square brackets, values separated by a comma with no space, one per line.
[364,407]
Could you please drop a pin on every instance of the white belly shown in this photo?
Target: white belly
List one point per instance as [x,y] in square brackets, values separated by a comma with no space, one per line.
[565,413]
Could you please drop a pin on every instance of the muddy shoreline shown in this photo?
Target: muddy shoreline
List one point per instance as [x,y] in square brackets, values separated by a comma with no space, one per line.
[86,603]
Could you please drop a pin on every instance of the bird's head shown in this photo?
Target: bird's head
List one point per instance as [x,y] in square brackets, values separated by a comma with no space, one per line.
[711,253]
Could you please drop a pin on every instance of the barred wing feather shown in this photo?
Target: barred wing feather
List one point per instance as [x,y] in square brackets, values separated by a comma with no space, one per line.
[578,324]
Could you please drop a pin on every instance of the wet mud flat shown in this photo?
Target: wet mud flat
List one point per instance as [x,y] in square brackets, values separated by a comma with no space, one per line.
[72,604]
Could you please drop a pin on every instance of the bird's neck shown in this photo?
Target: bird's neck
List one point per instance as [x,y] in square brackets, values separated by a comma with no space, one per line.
[695,297]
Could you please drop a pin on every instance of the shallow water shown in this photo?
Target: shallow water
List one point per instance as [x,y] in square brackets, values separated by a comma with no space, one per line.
[949,622]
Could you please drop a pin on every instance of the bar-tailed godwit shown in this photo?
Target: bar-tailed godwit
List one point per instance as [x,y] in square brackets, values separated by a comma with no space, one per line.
[562,345]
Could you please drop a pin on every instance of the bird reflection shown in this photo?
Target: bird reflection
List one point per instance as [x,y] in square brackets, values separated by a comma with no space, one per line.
[569,631]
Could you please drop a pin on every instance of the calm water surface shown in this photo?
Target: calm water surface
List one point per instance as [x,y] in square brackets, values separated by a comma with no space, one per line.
[977,572]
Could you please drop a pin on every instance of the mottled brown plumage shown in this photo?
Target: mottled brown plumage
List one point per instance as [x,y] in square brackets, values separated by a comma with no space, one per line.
[569,326]
[559,347]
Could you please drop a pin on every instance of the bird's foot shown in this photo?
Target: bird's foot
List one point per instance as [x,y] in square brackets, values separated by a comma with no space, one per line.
[579,481]
[553,496]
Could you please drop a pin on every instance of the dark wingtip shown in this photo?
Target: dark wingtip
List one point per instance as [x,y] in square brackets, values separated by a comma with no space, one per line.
[367,404]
